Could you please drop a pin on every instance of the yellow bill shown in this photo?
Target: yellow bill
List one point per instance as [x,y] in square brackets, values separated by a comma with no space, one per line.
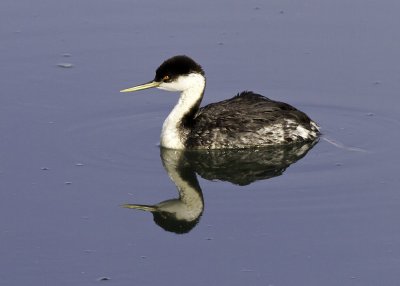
[142,86]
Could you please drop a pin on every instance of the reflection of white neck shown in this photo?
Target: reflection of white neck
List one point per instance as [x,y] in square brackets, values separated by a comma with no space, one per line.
[190,204]
[192,88]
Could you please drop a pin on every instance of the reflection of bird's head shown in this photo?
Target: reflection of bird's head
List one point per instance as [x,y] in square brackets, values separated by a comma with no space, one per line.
[169,222]
[173,215]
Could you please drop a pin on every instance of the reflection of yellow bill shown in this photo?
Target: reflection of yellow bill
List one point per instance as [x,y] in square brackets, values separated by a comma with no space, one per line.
[142,86]
[140,207]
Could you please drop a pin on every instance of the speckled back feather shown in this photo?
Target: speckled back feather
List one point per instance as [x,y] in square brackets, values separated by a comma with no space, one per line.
[248,120]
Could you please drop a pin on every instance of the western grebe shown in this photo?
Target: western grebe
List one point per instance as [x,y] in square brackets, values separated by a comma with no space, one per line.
[247,120]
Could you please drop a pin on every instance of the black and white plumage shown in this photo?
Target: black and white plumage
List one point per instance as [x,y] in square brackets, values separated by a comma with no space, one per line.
[245,121]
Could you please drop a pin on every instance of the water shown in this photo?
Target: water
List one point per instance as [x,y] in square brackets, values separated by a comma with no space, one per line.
[73,149]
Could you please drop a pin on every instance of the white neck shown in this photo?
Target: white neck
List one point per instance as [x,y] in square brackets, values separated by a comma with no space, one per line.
[173,134]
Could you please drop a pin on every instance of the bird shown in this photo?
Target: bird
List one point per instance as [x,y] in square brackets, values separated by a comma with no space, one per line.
[247,120]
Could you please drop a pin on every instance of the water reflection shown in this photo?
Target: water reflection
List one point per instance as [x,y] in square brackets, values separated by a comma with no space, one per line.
[240,167]
[178,215]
